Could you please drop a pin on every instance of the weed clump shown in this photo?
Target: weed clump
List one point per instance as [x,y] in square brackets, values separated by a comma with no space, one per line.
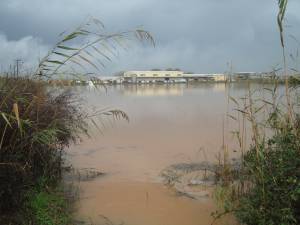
[267,188]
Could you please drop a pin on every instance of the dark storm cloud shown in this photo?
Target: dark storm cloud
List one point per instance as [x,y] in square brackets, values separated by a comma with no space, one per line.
[195,35]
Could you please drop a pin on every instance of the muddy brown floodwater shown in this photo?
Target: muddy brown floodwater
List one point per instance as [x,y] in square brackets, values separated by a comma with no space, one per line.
[168,124]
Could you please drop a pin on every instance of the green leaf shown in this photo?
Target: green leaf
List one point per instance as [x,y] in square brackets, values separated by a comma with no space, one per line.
[242,111]
[98,22]
[67,48]
[232,117]
[88,53]
[5,118]
[62,54]
[73,35]
[258,109]
[267,102]
[77,63]
[55,61]
[99,52]
[88,61]
[234,100]
[70,36]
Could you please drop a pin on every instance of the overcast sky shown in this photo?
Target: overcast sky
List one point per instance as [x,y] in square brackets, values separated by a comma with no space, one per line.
[194,35]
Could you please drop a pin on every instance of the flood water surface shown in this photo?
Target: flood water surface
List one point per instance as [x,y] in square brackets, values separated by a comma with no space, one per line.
[168,125]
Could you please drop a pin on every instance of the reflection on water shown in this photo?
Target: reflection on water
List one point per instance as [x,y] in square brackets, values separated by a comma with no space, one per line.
[169,125]
[165,90]
[152,90]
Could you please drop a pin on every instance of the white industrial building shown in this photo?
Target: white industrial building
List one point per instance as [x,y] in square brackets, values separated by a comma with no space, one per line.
[204,77]
[153,76]
[164,76]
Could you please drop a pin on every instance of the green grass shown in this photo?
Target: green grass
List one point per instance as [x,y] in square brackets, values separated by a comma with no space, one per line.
[49,207]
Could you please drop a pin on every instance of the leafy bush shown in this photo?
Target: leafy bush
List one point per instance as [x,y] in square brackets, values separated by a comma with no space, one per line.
[274,173]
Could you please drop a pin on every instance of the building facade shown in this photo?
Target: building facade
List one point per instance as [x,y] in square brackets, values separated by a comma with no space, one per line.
[169,77]
[153,76]
[204,77]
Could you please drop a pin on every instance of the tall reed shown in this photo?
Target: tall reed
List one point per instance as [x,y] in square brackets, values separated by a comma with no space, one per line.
[267,190]
[96,48]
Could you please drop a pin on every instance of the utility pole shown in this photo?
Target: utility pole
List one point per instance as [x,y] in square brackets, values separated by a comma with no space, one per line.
[18,66]
[230,71]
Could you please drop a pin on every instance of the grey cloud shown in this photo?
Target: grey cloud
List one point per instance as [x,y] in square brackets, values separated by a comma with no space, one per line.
[195,35]
[28,48]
